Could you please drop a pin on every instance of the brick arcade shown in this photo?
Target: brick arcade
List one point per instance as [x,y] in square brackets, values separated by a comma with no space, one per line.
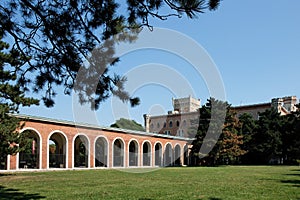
[65,145]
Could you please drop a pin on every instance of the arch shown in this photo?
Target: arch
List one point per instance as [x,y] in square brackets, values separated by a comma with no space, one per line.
[133,153]
[146,153]
[185,155]
[118,152]
[177,155]
[81,145]
[101,152]
[168,155]
[158,154]
[158,125]
[3,162]
[30,158]
[57,150]
[170,124]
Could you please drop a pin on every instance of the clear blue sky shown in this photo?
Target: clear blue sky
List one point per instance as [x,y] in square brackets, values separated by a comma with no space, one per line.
[254,44]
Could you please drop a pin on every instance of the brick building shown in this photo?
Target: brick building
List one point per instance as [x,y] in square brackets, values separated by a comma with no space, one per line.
[65,145]
[183,120]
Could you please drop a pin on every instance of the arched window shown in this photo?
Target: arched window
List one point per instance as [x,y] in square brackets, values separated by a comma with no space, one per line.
[177,123]
[151,126]
[101,151]
[170,124]
[133,153]
[118,152]
[168,155]
[81,151]
[146,154]
[158,154]
[29,158]
[57,150]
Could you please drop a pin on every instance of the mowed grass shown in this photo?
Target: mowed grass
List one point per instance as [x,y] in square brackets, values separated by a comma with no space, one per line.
[233,182]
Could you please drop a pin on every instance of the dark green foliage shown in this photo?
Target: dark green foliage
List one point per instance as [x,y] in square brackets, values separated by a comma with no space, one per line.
[272,139]
[291,138]
[248,125]
[50,41]
[56,37]
[11,97]
[267,138]
[128,124]
[217,140]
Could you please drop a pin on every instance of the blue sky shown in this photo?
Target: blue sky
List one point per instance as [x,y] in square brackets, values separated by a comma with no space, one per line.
[254,44]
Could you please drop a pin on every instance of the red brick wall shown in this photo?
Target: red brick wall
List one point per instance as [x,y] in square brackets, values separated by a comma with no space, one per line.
[44,129]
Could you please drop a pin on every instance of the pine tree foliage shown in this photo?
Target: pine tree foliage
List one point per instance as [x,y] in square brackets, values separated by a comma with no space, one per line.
[11,97]
[231,142]
[291,138]
[55,38]
[267,138]
[225,146]
[43,44]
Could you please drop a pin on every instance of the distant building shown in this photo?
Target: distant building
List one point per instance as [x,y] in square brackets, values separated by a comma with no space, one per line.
[184,119]
[284,106]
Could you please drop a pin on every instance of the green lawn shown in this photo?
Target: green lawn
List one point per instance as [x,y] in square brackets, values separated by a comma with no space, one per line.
[236,182]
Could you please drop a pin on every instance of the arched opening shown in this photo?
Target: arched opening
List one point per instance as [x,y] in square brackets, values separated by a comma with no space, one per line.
[133,153]
[3,162]
[158,154]
[168,155]
[146,154]
[29,157]
[186,155]
[118,152]
[101,150]
[81,152]
[177,156]
[57,150]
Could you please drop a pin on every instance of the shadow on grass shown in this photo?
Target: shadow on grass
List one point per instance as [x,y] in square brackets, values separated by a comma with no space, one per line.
[211,198]
[293,182]
[9,193]
[6,174]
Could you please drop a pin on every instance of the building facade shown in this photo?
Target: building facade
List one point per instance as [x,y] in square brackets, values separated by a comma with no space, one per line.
[184,119]
[284,106]
[62,144]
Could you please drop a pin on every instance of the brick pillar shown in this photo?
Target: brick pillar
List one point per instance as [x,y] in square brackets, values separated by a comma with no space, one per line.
[92,152]
[110,153]
[12,162]
[70,152]
[44,154]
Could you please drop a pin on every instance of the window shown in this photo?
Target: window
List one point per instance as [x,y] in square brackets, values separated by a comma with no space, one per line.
[151,126]
[184,123]
[158,125]
[167,132]
[182,133]
[170,124]
[165,124]
[177,123]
